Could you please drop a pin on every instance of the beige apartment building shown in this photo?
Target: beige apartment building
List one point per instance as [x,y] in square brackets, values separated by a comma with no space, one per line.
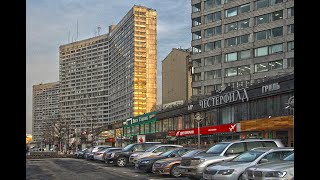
[45,108]
[176,76]
[111,77]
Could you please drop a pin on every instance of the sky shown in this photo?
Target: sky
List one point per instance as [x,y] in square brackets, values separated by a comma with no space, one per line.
[50,24]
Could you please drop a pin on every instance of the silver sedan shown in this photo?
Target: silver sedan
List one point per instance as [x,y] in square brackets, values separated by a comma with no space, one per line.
[281,170]
[234,169]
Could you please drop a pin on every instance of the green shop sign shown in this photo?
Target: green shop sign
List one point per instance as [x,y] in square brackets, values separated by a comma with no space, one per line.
[142,119]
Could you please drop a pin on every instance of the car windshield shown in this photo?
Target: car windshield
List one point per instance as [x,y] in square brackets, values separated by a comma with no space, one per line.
[167,153]
[128,147]
[103,149]
[152,148]
[248,156]
[289,158]
[218,148]
[191,153]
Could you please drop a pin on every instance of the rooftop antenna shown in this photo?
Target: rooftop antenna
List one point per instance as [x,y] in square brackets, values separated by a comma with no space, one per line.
[69,37]
[99,30]
[77,30]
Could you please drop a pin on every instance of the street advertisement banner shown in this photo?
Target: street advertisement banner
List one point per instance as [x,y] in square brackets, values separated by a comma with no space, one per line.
[207,130]
[141,138]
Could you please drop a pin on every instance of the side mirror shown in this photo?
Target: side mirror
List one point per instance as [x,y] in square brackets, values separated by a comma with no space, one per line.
[263,161]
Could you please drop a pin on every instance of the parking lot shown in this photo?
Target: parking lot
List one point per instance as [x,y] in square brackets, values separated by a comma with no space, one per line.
[70,168]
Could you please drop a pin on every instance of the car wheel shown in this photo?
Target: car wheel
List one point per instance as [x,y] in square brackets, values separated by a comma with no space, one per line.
[121,161]
[175,171]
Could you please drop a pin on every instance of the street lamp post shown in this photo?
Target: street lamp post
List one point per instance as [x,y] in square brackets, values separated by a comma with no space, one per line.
[198,118]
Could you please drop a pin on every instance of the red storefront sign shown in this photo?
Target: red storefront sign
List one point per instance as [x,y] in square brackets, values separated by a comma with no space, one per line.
[207,130]
[171,133]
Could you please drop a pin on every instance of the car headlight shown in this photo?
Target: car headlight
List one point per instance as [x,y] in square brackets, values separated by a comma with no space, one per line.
[226,171]
[112,155]
[145,162]
[276,174]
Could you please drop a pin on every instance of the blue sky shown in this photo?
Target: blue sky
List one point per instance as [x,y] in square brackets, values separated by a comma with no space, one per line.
[48,24]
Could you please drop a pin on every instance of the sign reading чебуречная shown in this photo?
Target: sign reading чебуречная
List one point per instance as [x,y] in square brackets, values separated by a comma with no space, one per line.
[233,96]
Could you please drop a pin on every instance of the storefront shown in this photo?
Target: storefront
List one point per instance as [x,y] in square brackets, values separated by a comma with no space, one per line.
[143,124]
[264,103]
[273,127]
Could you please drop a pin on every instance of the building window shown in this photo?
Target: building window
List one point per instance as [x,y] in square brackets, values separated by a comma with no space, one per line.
[262,19]
[231,57]
[275,48]
[290,62]
[245,54]
[243,24]
[231,12]
[266,18]
[196,7]
[262,3]
[262,67]
[237,10]
[212,45]
[212,74]
[212,31]
[269,33]
[196,90]
[196,35]
[231,72]
[267,3]
[212,60]
[196,21]
[243,70]
[208,89]
[196,63]
[290,45]
[237,40]
[212,17]
[262,51]
[196,49]
[211,3]
[274,65]
[277,15]
[290,28]
[291,12]
[196,77]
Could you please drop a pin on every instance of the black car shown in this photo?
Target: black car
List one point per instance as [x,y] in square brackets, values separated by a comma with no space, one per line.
[80,154]
[146,163]
[108,152]
[121,158]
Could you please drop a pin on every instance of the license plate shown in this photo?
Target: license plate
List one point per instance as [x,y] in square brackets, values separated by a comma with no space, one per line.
[207,176]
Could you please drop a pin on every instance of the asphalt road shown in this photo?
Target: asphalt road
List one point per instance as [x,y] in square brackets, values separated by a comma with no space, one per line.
[79,169]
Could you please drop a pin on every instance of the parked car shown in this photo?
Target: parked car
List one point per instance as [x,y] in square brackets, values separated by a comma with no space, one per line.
[88,150]
[107,154]
[194,167]
[234,169]
[121,158]
[79,154]
[154,150]
[281,170]
[89,155]
[169,166]
[146,163]
[99,155]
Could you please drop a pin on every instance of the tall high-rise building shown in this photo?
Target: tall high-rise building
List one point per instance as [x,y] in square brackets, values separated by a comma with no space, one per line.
[240,42]
[45,108]
[176,76]
[111,77]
